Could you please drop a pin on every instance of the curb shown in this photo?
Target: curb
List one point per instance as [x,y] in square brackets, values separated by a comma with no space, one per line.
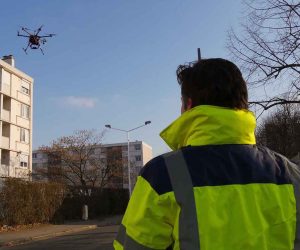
[46,236]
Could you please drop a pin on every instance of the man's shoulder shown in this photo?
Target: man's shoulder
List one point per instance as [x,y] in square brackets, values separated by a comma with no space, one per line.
[271,155]
[156,173]
[283,163]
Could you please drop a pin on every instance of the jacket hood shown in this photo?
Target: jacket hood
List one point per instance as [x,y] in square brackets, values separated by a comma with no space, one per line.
[210,125]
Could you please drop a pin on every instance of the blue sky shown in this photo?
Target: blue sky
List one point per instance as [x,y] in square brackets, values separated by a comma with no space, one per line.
[112,62]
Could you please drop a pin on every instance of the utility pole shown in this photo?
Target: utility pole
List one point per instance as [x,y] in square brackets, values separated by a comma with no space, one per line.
[199,54]
[128,149]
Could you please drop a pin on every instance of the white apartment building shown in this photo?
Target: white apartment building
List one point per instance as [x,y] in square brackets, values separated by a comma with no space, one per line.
[16,91]
[140,154]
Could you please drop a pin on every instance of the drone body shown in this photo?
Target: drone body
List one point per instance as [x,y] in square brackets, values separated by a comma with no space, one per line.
[34,39]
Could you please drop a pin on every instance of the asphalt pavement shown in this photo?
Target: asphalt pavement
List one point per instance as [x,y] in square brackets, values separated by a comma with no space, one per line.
[100,238]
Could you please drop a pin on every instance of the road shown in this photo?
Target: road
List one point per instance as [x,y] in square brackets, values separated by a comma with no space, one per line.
[99,238]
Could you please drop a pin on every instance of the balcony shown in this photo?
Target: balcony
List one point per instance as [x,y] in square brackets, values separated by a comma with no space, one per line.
[23,97]
[5,88]
[23,122]
[5,115]
[5,142]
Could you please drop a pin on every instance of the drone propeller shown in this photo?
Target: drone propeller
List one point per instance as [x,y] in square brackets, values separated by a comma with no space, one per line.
[24,28]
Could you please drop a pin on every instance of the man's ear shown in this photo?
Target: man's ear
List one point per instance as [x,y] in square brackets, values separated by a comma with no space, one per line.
[189,104]
[185,106]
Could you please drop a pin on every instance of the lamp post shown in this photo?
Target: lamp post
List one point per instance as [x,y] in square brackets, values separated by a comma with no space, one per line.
[128,154]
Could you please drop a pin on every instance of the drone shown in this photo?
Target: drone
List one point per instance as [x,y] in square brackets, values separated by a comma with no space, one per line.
[34,39]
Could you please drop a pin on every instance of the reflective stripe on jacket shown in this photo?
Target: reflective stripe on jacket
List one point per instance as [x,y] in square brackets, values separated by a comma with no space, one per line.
[216,191]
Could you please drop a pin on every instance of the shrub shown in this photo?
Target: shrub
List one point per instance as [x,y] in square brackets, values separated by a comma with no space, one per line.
[25,202]
[101,202]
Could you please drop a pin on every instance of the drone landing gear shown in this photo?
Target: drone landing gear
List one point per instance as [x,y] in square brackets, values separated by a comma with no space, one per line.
[25,50]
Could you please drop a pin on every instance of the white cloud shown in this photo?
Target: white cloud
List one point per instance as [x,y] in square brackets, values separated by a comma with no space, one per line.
[79,101]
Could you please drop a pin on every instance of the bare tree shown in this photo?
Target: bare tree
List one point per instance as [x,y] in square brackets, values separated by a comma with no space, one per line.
[268,49]
[76,160]
[280,131]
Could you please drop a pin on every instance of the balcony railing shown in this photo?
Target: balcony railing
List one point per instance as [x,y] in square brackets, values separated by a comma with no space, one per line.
[5,142]
[5,115]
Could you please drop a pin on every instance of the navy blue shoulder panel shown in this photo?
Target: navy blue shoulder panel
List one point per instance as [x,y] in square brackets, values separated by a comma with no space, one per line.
[218,165]
[156,173]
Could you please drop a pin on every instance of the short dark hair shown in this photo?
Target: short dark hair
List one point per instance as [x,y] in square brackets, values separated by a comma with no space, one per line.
[214,81]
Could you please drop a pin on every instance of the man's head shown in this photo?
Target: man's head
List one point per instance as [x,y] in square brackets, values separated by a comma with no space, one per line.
[212,81]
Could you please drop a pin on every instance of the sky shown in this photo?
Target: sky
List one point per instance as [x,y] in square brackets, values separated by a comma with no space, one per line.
[112,62]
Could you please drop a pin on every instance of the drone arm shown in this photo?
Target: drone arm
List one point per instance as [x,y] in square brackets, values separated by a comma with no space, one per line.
[39,30]
[22,35]
[25,30]
[50,35]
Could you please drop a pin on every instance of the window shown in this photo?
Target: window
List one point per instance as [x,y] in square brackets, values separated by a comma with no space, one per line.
[24,161]
[42,156]
[23,164]
[34,155]
[24,135]
[25,87]
[25,111]
[25,90]
[137,147]
[138,158]
[92,151]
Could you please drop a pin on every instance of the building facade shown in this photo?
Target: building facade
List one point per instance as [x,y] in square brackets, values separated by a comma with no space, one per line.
[140,154]
[16,91]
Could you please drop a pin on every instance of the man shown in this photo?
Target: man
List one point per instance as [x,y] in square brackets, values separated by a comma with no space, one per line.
[217,190]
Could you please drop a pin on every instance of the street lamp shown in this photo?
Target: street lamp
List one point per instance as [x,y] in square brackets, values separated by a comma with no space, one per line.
[128,155]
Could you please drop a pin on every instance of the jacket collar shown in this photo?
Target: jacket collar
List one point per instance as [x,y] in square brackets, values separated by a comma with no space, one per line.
[210,125]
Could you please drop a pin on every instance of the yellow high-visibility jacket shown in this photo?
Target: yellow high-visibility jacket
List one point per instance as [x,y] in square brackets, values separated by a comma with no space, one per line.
[217,190]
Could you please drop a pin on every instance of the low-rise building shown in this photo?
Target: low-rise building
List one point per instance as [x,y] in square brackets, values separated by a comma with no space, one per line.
[140,154]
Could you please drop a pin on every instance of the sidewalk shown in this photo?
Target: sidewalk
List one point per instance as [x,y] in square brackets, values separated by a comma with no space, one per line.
[48,231]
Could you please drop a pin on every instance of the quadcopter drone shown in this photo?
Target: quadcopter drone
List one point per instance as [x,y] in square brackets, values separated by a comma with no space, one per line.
[34,39]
